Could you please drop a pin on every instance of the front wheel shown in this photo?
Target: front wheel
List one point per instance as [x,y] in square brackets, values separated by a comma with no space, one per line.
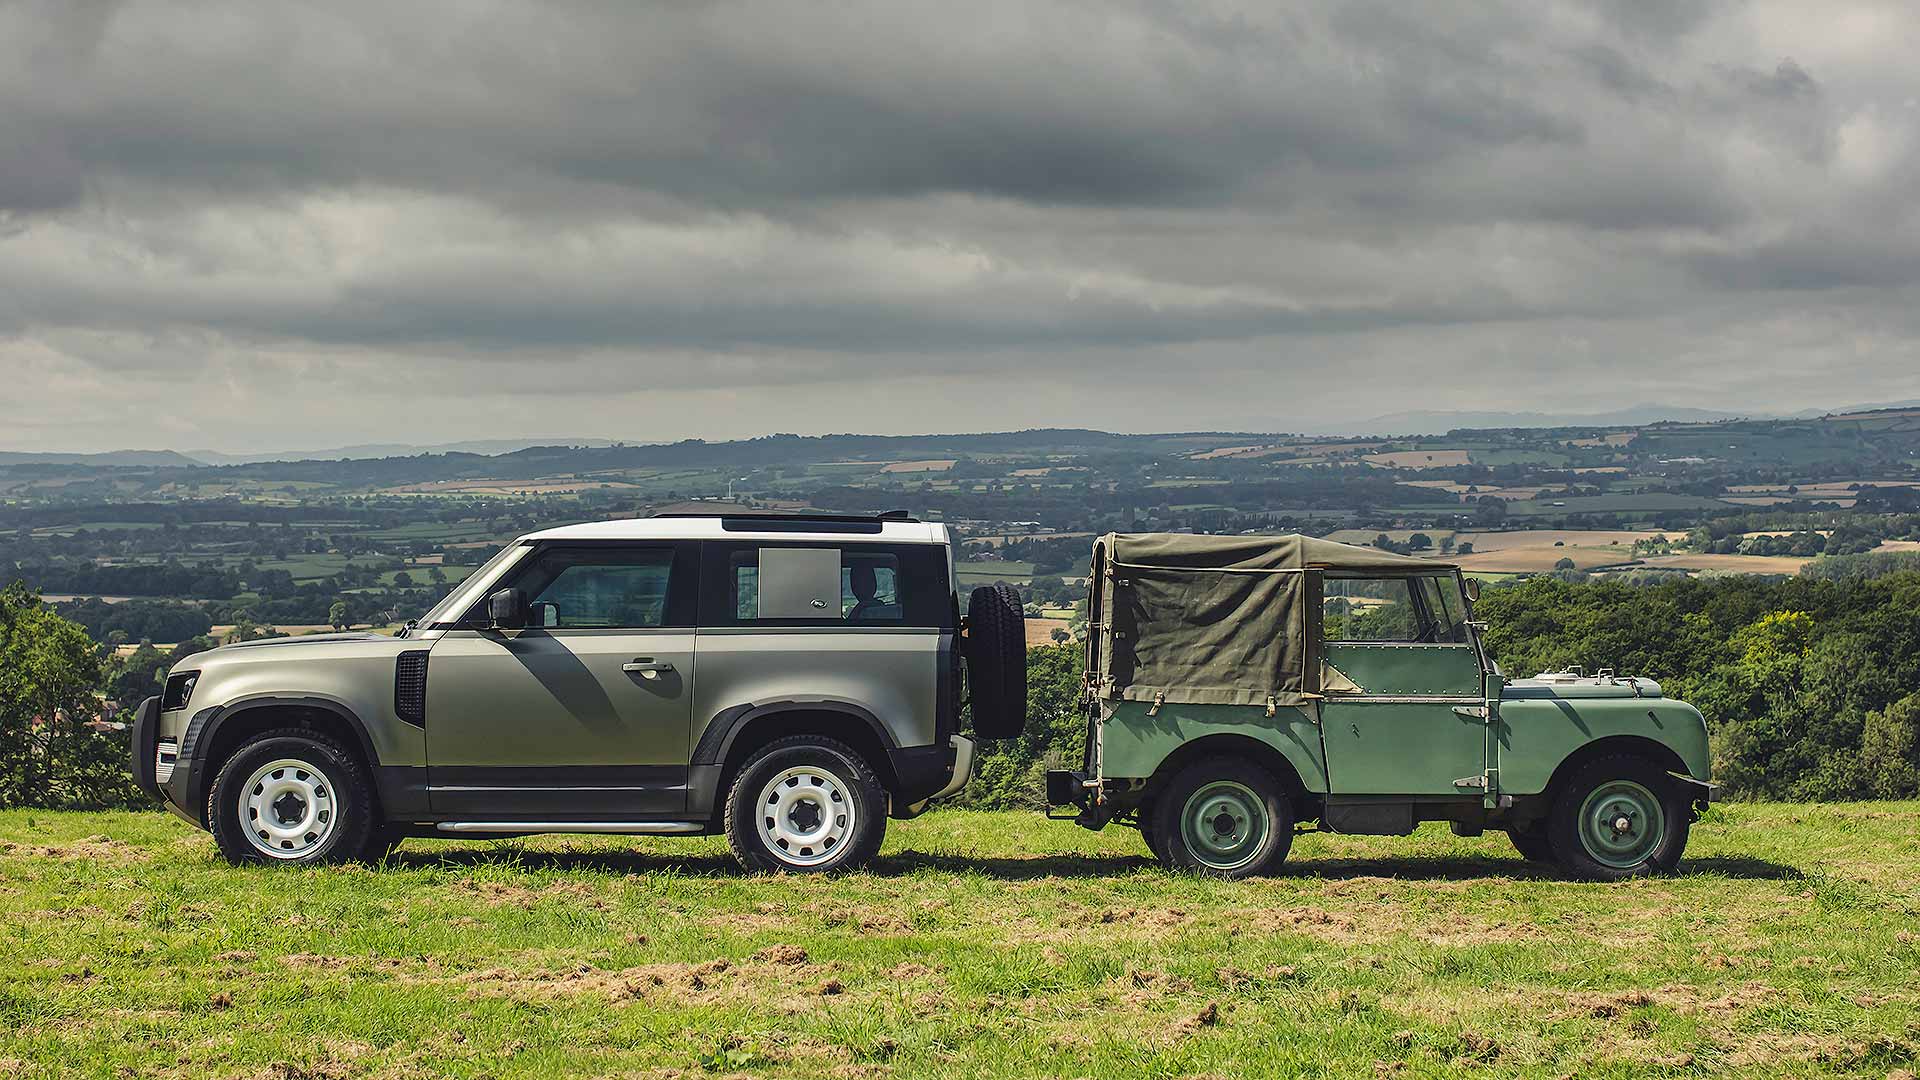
[805,804]
[290,796]
[1619,817]
[1223,818]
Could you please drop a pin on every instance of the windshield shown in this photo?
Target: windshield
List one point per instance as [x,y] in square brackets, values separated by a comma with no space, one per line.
[450,606]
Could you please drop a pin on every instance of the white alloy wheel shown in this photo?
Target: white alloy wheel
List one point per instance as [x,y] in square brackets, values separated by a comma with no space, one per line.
[805,815]
[287,808]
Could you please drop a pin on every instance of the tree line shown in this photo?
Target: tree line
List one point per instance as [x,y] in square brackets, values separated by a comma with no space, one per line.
[1810,686]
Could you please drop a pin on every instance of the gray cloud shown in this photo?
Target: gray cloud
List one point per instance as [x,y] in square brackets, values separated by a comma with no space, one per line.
[286,207]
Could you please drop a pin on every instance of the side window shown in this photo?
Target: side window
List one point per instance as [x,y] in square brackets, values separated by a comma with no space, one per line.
[1369,609]
[775,584]
[599,587]
[870,587]
[1446,609]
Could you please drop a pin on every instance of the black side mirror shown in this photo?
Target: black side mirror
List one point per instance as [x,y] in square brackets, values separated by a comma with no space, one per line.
[507,609]
[1473,590]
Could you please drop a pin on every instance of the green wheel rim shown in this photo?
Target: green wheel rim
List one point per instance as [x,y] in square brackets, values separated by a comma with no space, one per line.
[1224,825]
[1621,824]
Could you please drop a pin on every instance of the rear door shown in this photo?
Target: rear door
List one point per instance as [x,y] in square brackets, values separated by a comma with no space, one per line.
[1402,684]
[585,714]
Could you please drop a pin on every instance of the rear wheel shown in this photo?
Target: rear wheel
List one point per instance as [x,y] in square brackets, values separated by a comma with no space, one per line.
[291,796]
[805,804]
[1618,817]
[1224,818]
[1144,816]
[1532,842]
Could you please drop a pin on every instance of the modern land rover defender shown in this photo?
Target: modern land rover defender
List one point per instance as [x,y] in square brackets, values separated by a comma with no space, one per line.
[1238,685]
[788,680]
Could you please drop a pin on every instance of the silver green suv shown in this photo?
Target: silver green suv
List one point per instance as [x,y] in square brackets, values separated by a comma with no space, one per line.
[790,681]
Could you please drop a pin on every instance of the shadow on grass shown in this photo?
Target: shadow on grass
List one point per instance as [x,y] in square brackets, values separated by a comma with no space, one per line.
[1019,868]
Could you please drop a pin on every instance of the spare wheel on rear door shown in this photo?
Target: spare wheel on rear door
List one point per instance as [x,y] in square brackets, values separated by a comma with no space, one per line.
[997,661]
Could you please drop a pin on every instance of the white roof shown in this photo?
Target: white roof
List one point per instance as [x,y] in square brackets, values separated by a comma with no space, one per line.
[708,528]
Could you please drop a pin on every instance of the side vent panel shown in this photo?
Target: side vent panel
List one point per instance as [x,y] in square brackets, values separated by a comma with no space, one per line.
[410,687]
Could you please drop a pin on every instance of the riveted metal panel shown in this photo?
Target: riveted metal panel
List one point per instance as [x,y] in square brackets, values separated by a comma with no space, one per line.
[1407,669]
[1402,749]
[1133,743]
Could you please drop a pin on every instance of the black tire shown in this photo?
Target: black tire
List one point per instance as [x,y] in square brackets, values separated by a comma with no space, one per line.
[997,661]
[1144,817]
[837,775]
[1243,797]
[338,793]
[1532,842]
[1632,788]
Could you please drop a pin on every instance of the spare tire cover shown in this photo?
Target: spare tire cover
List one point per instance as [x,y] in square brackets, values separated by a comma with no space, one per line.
[997,661]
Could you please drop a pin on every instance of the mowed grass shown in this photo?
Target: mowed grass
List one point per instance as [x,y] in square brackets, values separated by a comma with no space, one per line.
[981,945]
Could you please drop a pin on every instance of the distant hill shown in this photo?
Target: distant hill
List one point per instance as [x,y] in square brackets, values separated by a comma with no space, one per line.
[1434,422]
[109,459]
[370,451]
[1439,422]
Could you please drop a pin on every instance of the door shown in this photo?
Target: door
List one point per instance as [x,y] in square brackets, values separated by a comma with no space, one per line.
[1403,688]
[586,713]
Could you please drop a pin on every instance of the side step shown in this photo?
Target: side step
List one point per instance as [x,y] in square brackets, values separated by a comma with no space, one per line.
[636,828]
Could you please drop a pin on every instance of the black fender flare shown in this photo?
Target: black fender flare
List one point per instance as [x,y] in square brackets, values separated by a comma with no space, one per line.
[205,726]
[717,740]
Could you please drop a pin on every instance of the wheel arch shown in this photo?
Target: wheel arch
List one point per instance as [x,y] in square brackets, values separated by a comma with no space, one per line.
[1243,747]
[736,733]
[1653,750]
[233,724]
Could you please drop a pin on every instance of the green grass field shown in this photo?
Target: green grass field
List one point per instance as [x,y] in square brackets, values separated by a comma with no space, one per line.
[980,945]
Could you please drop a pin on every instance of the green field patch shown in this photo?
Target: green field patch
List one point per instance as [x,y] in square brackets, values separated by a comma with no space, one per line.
[978,945]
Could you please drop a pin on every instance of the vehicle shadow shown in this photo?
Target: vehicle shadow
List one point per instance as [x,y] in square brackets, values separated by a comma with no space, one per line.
[1027,868]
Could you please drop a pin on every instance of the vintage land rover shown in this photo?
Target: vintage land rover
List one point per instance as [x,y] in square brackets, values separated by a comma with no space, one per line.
[789,680]
[1238,686]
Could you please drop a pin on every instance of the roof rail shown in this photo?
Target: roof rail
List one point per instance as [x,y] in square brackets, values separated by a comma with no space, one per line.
[773,521]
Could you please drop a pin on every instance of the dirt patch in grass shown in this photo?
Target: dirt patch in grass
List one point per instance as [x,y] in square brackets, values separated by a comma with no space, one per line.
[100,848]
[781,954]
[498,893]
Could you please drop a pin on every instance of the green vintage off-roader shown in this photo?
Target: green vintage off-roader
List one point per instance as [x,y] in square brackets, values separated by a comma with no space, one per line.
[1238,686]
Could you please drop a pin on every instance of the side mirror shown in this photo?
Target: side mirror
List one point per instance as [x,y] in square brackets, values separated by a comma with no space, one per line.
[1472,586]
[507,609]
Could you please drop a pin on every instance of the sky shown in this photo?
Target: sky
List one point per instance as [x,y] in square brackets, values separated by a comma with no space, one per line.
[259,226]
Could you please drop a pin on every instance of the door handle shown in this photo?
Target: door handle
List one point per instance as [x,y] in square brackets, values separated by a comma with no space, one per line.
[645,668]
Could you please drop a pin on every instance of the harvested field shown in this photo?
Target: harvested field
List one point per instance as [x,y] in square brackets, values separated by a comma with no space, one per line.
[1420,459]
[930,465]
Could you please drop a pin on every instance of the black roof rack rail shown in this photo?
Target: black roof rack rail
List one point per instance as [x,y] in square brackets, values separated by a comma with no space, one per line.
[774,521]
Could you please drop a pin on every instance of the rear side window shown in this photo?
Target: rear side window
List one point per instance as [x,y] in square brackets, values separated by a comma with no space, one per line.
[780,584]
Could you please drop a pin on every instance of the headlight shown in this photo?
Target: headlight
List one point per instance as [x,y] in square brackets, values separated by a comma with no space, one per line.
[178,691]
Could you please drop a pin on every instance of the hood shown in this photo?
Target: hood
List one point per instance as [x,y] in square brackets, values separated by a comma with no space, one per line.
[309,639]
[1571,684]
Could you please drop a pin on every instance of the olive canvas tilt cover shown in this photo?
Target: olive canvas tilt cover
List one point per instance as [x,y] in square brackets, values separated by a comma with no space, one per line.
[1217,620]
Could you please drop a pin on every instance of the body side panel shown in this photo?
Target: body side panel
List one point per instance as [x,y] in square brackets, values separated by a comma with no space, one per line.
[1536,734]
[356,676]
[1133,744]
[892,675]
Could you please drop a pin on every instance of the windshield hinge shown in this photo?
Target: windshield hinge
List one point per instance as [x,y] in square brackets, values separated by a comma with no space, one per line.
[1476,782]
[1158,700]
[1475,712]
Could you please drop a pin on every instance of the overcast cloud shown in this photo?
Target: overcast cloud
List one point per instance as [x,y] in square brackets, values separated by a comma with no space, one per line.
[256,226]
